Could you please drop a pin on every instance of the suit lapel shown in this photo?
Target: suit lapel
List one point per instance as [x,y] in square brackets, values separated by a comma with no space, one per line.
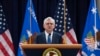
[44,37]
[53,39]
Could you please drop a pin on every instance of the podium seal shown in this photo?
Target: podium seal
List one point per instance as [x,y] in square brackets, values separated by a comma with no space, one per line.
[51,52]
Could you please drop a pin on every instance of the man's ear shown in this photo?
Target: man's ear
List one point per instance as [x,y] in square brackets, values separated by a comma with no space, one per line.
[54,26]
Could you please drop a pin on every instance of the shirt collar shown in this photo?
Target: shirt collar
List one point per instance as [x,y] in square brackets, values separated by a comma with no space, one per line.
[48,33]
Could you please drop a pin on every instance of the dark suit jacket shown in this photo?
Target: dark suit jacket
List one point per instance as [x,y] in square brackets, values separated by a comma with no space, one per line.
[41,38]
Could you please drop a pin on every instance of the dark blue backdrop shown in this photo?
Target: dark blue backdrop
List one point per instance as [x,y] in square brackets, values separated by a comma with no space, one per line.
[15,10]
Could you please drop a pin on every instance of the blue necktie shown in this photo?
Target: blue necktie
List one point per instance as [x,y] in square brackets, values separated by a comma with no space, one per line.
[49,40]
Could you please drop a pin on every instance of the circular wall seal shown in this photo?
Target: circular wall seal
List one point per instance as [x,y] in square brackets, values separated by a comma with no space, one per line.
[51,52]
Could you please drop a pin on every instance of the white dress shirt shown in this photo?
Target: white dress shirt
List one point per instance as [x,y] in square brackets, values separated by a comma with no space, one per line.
[46,34]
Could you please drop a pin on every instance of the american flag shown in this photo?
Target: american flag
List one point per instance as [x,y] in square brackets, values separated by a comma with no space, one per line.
[6,44]
[59,20]
[61,26]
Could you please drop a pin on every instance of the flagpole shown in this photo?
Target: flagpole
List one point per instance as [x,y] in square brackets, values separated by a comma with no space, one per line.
[65,16]
[95,18]
[95,23]
[64,38]
[30,19]
[30,14]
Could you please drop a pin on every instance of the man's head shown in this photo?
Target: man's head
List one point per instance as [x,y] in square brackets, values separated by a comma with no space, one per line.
[49,24]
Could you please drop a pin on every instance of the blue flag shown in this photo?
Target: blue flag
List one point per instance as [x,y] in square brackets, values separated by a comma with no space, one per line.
[89,38]
[30,25]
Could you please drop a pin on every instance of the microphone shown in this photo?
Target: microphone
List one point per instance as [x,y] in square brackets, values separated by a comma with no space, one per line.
[49,34]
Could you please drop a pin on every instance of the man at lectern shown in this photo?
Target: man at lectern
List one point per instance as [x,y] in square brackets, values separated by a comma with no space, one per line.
[48,36]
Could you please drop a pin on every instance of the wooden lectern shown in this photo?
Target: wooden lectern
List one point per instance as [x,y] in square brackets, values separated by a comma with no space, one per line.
[38,49]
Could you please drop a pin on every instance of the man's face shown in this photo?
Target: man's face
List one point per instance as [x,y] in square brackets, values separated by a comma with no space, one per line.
[49,25]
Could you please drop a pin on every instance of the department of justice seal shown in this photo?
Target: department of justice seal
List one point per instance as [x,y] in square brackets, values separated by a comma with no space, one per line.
[51,52]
